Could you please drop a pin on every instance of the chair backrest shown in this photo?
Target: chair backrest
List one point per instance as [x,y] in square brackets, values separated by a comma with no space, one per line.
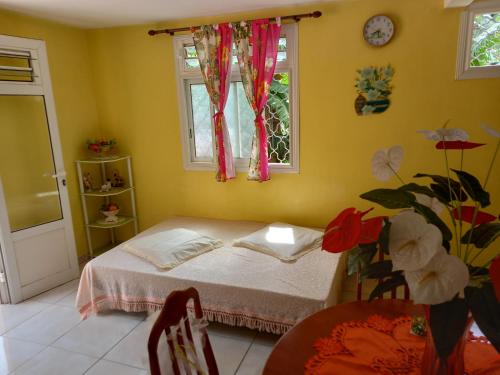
[175,314]
[359,287]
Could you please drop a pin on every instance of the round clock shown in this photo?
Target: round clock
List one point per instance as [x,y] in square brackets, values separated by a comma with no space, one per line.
[378,30]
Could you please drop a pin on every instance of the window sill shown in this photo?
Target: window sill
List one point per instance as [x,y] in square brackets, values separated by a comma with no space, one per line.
[273,168]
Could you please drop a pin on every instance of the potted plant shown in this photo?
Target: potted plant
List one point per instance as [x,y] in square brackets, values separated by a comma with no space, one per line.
[440,265]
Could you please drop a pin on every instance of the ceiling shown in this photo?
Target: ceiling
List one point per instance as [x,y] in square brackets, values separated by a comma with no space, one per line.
[107,13]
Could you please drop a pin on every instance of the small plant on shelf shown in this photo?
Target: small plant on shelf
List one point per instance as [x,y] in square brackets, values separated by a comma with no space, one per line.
[102,148]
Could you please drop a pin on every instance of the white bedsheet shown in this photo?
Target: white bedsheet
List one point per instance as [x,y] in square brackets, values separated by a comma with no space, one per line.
[237,286]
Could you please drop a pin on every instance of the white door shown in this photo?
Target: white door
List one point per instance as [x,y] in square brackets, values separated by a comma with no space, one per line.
[36,233]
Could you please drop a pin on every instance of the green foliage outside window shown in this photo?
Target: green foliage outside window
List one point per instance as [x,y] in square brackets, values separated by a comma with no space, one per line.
[485,47]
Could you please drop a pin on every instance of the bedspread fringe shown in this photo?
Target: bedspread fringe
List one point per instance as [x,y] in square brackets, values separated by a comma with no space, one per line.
[238,320]
[212,315]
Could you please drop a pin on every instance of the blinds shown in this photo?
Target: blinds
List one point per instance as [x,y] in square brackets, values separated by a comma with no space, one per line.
[16,66]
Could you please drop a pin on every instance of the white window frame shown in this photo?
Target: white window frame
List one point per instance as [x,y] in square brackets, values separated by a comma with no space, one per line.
[463,68]
[186,76]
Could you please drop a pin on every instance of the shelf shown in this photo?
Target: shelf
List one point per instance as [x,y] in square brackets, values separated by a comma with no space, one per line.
[103,160]
[101,224]
[113,191]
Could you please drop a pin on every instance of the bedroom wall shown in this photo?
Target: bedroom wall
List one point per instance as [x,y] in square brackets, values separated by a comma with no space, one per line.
[136,95]
[73,91]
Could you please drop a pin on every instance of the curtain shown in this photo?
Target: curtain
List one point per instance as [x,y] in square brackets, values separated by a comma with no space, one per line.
[213,45]
[257,49]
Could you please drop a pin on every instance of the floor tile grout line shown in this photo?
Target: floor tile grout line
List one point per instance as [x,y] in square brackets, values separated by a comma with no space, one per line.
[32,316]
[27,359]
[48,304]
[114,346]
[246,352]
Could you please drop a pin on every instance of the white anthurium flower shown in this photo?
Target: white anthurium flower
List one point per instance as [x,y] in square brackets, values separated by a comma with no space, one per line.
[386,162]
[443,277]
[493,132]
[412,241]
[433,203]
[445,134]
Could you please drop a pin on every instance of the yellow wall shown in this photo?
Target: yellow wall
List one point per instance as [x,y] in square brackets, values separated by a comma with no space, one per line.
[69,65]
[135,91]
[136,96]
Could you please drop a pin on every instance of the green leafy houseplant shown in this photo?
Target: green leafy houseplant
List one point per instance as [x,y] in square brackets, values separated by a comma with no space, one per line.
[439,263]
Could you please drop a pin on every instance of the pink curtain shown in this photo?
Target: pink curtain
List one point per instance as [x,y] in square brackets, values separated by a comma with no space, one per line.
[214,44]
[257,48]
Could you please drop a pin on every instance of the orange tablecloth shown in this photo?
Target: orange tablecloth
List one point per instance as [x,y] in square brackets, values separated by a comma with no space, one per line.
[384,346]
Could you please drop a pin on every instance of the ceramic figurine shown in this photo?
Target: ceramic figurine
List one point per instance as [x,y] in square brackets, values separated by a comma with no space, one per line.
[106,187]
[87,182]
[117,180]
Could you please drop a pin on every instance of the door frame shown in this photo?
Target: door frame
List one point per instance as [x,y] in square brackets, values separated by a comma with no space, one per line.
[40,86]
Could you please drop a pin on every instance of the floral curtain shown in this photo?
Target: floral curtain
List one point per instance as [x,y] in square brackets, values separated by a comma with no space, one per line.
[213,45]
[257,49]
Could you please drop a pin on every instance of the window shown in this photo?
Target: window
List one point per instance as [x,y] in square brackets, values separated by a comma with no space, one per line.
[281,111]
[479,41]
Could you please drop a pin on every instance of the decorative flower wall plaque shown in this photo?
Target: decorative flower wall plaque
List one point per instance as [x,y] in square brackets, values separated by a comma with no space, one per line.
[374,87]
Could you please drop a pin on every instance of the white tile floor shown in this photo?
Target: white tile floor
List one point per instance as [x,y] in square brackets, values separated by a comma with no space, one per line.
[45,336]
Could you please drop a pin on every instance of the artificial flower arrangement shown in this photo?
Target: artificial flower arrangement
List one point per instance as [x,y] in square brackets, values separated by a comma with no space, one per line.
[374,87]
[101,147]
[439,265]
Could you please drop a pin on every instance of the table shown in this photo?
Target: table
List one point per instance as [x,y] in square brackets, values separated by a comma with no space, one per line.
[296,346]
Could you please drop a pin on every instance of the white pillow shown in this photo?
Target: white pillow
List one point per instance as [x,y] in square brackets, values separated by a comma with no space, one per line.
[168,249]
[283,241]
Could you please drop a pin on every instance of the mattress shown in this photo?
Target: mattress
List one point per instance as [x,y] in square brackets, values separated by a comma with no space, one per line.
[237,286]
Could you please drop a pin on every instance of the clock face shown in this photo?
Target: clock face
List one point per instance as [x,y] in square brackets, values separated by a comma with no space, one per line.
[378,30]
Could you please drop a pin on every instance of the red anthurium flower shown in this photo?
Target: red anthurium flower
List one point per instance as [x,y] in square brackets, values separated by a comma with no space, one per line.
[468,215]
[457,145]
[370,229]
[343,232]
[495,276]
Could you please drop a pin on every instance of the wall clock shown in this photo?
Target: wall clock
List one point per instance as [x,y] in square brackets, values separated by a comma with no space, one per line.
[378,30]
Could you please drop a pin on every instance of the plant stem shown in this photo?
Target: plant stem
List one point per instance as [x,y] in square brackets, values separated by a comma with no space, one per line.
[457,241]
[396,173]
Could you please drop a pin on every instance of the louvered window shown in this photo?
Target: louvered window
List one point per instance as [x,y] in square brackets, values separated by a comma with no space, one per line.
[16,66]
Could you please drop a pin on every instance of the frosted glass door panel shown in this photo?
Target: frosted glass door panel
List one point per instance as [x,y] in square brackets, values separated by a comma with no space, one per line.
[26,162]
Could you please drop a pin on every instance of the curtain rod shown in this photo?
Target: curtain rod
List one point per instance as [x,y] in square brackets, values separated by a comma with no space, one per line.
[294,17]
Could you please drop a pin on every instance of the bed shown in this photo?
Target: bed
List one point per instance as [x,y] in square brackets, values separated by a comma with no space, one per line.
[237,286]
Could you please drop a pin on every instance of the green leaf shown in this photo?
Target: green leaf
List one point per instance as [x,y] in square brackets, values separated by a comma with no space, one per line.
[378,270]
[360,257]
[383,238]
[447,322]
[419,189]
[387,286]
[390,198]
[432,218]
[442,187]
[473,187]
[482,235]
[486,311]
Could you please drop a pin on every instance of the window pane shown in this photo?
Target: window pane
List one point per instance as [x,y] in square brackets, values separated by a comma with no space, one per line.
[485,48]
[277,114]
[240,121]
[202,123]
[26,163]
[281,49]
[190,57]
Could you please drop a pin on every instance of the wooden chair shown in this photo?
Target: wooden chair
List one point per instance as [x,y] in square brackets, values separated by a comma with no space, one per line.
[359,287]
[174,313]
